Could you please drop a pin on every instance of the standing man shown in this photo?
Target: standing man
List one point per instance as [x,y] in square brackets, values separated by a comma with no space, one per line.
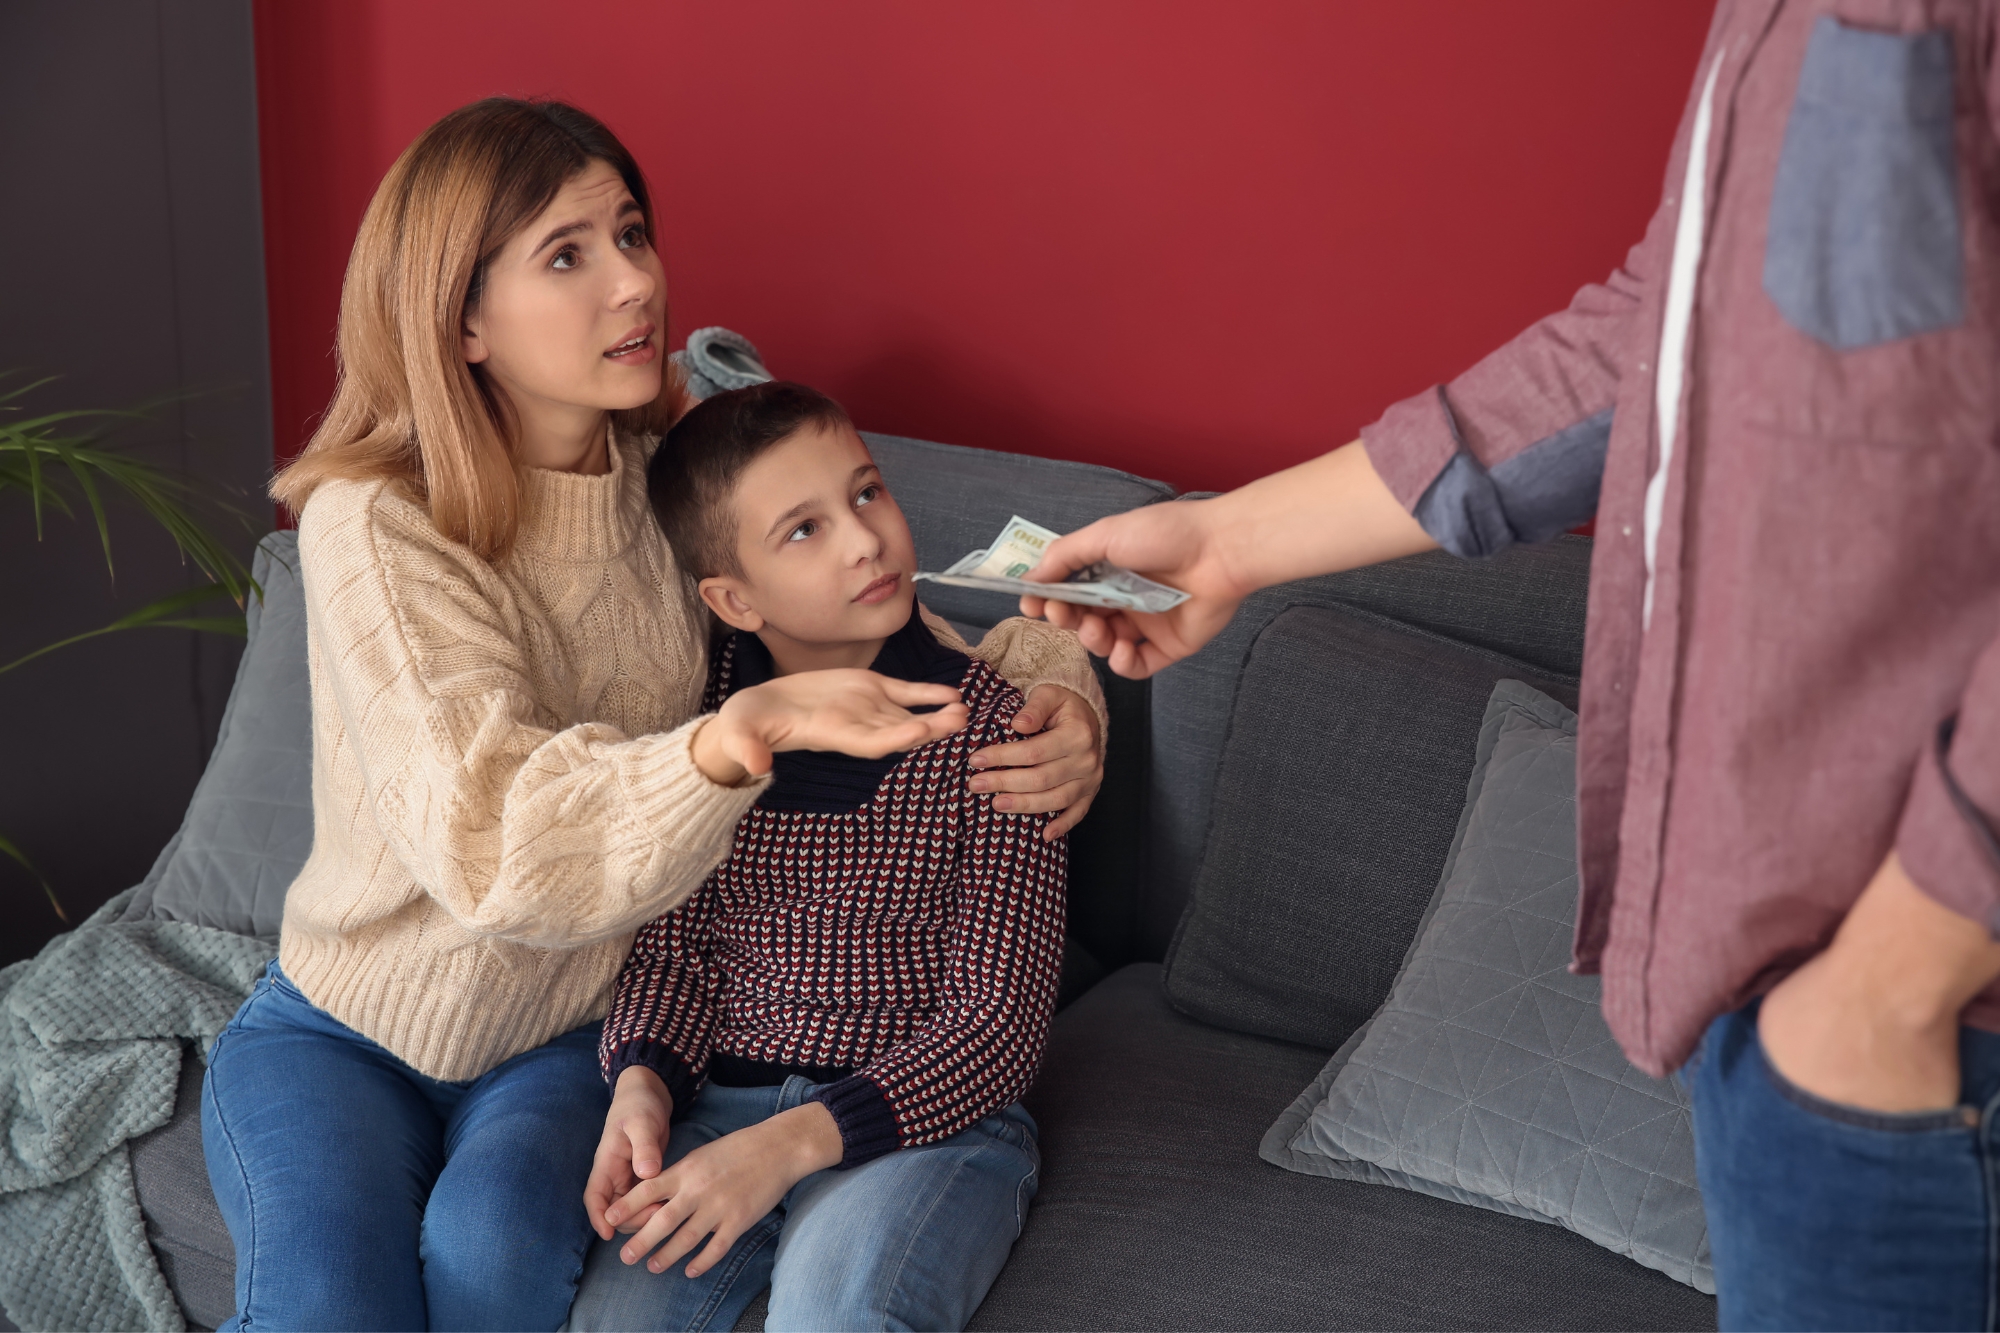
[1784,415]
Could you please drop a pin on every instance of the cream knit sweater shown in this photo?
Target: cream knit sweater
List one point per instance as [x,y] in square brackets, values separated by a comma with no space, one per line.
[503,790]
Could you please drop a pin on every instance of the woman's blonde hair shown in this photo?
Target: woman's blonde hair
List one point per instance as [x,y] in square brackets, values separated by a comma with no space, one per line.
[407,406]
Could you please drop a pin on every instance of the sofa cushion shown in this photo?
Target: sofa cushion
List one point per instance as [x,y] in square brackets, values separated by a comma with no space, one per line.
[1339,790]
[248,828]
[185,1227]
[1155,1212]
[1526,604]
[1488,1076]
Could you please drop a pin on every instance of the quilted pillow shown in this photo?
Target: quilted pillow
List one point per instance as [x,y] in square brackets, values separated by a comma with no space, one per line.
[249,828]
[1488,1076]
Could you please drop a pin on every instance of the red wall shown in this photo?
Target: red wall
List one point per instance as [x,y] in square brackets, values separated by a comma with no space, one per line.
[1195,240]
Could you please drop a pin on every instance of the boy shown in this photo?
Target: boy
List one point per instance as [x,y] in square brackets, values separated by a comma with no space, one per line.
[839,1023]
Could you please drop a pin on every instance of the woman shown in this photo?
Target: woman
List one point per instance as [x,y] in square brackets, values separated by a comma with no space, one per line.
[509,773]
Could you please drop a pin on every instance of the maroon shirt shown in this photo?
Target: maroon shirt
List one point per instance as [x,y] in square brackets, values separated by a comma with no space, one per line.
[1826,587]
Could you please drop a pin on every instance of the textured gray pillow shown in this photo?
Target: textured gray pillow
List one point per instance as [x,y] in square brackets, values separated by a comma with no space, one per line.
[249,827]
[1489,1076]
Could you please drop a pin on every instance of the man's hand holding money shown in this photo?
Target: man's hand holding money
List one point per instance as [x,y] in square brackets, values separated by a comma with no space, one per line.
[1173,543]
[1321,517]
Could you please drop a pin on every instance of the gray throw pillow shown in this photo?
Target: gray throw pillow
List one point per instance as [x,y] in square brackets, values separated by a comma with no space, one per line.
[249,828]
[1488,1076]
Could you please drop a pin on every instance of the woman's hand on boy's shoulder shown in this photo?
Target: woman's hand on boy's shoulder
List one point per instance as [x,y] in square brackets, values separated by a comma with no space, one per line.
[849,711]
[634,1142]
[1059,766]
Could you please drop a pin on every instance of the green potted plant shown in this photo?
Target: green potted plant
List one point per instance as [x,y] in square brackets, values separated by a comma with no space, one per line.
[64,464]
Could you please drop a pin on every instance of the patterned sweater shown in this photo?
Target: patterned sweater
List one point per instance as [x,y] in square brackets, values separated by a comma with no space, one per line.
[877,928]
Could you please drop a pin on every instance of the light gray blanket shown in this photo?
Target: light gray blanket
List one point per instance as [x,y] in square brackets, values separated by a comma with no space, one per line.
[91,1036]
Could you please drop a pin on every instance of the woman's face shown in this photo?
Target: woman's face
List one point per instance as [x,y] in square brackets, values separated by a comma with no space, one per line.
[573,309]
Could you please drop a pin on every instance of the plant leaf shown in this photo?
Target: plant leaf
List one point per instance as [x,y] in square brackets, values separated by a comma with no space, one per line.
[160,614]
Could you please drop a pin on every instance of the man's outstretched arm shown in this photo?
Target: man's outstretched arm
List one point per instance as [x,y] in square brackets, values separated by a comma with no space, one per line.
[1331,514]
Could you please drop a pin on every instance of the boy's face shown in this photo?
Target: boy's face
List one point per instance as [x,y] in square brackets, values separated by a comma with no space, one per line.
[826,554]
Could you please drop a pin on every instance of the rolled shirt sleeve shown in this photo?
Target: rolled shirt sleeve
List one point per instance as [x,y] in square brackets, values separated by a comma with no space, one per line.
[1513,449]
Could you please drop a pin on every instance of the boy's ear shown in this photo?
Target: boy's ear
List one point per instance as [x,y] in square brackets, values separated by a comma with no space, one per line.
[724,596]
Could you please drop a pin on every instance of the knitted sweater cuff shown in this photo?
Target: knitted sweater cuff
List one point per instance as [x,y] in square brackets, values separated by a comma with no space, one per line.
[675,800]
[867,1122]
[662,1060]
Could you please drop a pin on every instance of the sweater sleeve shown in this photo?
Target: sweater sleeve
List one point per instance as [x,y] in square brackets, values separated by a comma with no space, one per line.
[1030,653]
[520,828]
[980,1048]
[663,1010]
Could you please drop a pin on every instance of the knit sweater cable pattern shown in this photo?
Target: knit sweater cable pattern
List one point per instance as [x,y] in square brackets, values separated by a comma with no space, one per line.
[503,785]
[912,946]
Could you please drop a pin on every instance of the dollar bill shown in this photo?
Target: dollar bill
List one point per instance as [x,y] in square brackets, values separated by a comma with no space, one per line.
[1019,548]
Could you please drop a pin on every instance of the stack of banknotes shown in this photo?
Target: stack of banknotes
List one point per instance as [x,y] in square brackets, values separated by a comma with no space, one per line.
[1019,548]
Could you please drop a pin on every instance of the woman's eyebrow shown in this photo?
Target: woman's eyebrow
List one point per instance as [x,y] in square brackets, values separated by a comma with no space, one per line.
[568,229]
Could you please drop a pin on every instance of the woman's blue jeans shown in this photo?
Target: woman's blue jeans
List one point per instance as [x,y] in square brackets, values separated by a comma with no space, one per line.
[911,1240]
[1824,1216]
[363,1195]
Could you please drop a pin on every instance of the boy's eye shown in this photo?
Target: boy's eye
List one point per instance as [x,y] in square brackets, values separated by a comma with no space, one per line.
[565,258]
[802,531]
[868,495]
[632,238]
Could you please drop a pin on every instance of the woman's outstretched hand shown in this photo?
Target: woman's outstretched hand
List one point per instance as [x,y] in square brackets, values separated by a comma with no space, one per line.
[1059,766]
[1174,543]
[852,712]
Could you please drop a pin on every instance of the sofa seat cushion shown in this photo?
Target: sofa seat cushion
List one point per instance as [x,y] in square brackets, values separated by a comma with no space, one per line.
[1156,1212]
[185,1227]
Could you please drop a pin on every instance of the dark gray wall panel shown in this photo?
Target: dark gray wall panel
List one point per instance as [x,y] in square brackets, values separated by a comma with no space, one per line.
[132,226]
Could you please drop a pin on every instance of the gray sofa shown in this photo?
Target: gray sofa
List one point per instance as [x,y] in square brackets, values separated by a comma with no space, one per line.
[1316,808]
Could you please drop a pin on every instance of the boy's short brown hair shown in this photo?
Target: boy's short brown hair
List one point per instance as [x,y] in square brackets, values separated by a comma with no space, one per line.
[694,472]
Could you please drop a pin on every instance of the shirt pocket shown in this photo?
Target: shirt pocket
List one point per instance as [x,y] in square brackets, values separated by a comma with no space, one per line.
[1864,244]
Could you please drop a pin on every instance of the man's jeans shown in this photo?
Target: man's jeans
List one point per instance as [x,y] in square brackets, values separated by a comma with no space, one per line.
[1823,1216]
[911,1240]
[363,1195]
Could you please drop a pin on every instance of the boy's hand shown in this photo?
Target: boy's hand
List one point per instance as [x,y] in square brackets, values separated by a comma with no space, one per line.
[854,712]
[722,1188]
[1060,767]
[635,1132]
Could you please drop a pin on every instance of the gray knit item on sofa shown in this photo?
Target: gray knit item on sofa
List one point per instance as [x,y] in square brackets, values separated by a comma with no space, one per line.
[1488,1076]
[91,1036]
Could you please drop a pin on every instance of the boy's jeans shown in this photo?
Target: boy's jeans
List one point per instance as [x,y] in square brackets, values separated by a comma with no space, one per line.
[1823,1216]
[362,1194]
[911,1240]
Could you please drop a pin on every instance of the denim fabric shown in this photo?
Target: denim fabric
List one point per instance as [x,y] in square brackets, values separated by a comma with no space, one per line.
[1823,1216]
[907,1241]
[1864,244]
[1535,496]
[361,1194]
